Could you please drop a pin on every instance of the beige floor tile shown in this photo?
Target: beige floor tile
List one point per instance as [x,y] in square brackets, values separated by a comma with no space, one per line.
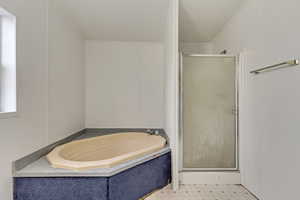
[203,192]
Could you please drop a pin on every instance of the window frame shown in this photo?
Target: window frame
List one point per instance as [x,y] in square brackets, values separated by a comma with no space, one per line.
[14,113]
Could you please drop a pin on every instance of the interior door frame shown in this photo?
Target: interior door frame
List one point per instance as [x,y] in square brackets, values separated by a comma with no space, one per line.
[237,80]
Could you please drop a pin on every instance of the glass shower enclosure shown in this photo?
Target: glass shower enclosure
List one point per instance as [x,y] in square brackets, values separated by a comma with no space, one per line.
[209,113]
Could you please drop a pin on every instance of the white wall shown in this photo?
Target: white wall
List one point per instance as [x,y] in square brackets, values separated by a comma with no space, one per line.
[66,75]
[171,85]
[51,98]
[50,94]
[26,132]
[267,32]
[124,84]
[196,47]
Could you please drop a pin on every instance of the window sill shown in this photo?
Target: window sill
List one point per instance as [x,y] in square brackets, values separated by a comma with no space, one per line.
[6,115]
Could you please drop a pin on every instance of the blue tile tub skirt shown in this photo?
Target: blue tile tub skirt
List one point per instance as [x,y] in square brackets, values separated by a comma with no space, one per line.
[130,184]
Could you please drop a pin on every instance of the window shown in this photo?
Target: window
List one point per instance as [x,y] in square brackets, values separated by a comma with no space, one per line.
[8,91]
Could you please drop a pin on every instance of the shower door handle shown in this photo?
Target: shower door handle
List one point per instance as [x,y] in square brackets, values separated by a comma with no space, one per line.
[234,111]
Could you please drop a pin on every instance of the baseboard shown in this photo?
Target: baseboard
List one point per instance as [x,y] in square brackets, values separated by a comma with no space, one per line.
[210,178]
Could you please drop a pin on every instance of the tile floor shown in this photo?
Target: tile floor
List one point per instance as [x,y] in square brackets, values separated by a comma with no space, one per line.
[203,192]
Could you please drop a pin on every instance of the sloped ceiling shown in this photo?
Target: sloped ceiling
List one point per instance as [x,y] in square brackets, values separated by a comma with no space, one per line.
[120,20]
[201,20]
[144,20]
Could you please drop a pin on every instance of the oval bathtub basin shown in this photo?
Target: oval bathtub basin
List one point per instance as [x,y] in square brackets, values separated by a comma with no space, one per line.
[104,151]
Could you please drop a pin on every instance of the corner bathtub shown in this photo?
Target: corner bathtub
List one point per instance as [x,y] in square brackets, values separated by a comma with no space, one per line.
[104,151]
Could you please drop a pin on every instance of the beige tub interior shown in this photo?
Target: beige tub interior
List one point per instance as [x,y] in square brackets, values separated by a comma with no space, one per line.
[104,151]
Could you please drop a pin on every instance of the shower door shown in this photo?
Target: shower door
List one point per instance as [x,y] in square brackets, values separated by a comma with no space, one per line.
[208,112]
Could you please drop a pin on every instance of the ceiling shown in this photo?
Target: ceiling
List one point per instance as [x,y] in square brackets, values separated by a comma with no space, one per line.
[119,20]
[144,20]
[201,20]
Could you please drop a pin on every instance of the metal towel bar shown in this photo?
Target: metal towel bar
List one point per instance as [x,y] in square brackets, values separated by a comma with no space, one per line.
[290,62]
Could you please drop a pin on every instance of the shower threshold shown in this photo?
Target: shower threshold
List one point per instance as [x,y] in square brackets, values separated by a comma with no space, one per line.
[210,177]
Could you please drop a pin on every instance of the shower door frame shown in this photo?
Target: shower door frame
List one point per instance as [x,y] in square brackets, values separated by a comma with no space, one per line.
[236,110]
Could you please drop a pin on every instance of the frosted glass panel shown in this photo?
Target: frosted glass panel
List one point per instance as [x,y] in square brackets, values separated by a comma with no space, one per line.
[209,135]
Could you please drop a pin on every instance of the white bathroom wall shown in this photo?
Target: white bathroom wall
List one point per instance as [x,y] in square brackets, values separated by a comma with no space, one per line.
[267,33]
[51,83]
[27,132]
[171,84]
[196,47]
[66,75]
[50,95]
[124,84]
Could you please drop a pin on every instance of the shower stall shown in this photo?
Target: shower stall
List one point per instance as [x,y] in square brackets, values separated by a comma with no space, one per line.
[208,113]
